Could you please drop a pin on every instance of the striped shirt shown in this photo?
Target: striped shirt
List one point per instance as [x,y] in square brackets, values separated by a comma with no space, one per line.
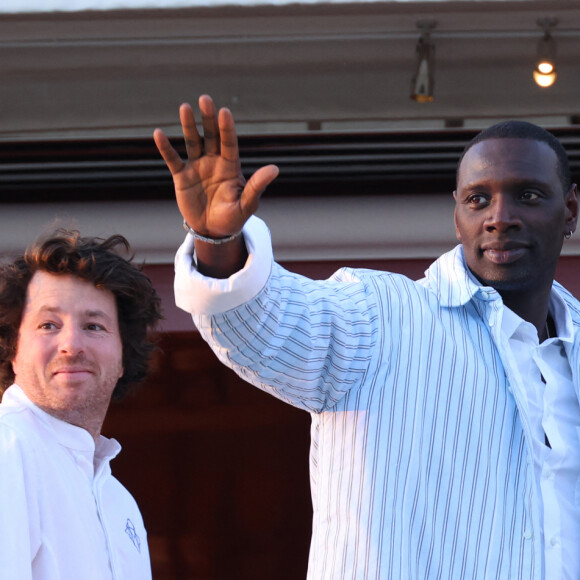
[420,464]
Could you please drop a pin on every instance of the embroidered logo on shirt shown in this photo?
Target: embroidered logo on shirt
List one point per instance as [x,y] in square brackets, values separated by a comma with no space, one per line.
[130,531]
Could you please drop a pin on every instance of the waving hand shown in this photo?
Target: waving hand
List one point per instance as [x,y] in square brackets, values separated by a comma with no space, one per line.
[212,194]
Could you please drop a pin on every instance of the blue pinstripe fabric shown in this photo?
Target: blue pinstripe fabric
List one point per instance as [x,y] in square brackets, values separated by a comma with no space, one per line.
[419,462]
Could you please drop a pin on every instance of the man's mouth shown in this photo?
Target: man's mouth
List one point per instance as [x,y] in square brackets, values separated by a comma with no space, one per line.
[72,371]
[71,366]
[504,254]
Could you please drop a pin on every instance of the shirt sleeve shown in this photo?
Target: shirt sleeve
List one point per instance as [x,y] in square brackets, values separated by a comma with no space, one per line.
[306,342]
[196,293]
[19,524]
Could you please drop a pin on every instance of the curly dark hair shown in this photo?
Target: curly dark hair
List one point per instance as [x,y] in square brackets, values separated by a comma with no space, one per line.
[94,260]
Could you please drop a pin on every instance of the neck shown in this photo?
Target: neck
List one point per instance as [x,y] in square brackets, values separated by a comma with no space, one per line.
[92,425]
[549,330]
[532,307]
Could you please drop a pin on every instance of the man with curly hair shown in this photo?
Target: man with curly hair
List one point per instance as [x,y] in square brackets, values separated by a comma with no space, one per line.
[75,317]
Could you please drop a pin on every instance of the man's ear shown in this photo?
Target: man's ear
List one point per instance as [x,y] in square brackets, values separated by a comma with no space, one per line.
[457,234]
[14,363]
[571,209]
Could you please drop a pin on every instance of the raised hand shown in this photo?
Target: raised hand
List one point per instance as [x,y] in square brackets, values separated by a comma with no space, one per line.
[212,194]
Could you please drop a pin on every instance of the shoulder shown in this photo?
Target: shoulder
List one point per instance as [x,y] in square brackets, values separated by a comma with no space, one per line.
[17,430]
[341,279]
[570,300]
[380,281]
[369,276]
[13,441]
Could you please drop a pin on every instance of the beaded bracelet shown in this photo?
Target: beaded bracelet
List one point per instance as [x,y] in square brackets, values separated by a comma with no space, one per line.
[214,241]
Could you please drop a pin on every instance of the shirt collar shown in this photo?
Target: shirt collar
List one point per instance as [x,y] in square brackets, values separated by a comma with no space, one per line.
[512,323]
[67,435]
[562,317]
[451,279]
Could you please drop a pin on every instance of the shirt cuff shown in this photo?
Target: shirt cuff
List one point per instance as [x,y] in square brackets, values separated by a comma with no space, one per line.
[199,294]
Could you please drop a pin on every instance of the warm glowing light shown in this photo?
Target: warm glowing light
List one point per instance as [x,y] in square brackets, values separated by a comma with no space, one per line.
[545,72]
[544,80]
[545,67]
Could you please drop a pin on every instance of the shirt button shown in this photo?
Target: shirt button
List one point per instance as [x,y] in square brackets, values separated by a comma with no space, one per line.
[528,535]
[555,541]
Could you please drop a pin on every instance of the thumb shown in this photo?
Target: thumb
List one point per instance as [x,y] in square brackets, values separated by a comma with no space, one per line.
[255,186]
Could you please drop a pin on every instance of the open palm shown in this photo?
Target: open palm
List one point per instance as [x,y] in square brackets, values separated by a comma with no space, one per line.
[212,194]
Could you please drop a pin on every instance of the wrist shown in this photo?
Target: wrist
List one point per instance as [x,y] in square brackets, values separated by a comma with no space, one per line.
[209,239]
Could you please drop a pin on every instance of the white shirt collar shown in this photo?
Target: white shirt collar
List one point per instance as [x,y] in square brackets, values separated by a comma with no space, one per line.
[559,310]
[68,435]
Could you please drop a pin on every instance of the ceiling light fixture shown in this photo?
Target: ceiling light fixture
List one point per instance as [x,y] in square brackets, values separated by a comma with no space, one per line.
[423,80]
[545,72]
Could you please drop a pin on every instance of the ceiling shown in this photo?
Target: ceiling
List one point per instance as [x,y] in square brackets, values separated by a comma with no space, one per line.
[282,69]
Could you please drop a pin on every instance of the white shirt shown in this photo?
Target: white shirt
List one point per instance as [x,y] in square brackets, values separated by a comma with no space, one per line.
[554,413]
[63,516]
[420,460]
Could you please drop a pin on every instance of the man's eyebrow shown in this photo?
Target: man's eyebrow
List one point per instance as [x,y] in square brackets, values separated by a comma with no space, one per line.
[47,308]
[470,187]
[96,313]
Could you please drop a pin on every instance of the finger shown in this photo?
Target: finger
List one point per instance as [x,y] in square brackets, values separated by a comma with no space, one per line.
[229,139]
[210,125]
[169,154]
[190,132]
[255,188]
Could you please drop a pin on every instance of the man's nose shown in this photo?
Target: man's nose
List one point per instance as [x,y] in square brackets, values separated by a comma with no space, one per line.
[71,340]
[502,215]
